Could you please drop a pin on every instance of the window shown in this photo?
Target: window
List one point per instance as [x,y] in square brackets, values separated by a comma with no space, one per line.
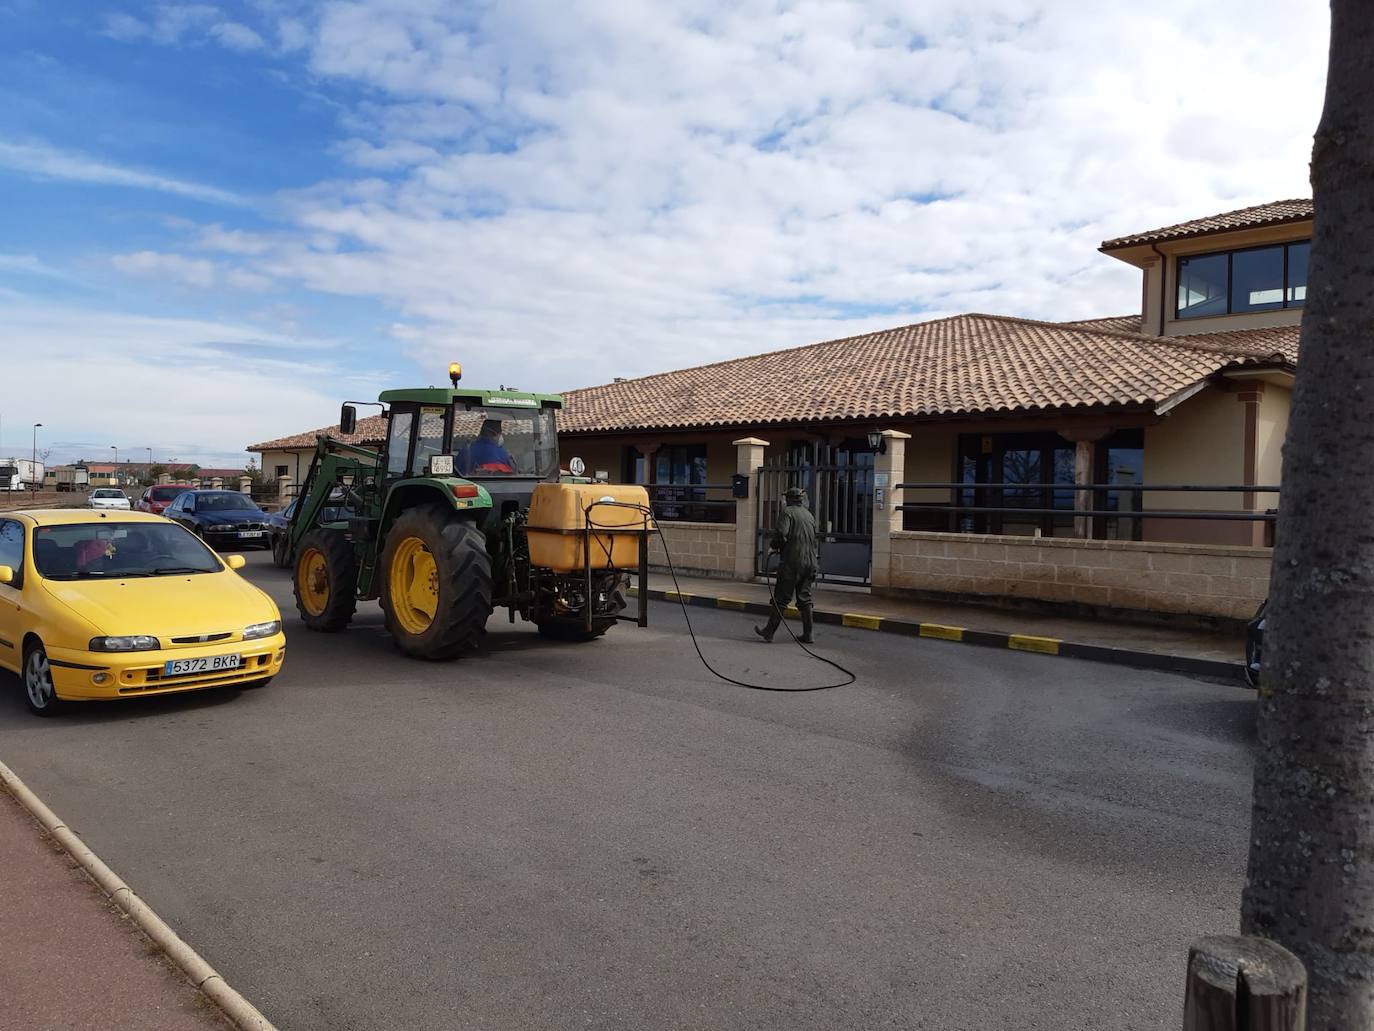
[1236,282]
[429,439]
[12,550]
[398,443]
[281,471]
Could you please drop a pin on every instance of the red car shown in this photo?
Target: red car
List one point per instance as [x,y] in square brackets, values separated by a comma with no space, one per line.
[155,499]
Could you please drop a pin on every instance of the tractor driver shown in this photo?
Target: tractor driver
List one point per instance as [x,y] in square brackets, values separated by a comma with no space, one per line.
[486,454]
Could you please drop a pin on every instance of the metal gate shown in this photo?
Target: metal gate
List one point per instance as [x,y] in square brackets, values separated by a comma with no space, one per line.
[841,499]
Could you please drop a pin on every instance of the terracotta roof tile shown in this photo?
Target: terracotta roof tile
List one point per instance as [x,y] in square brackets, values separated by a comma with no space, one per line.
[371,430]
[964,365]
[1275,213]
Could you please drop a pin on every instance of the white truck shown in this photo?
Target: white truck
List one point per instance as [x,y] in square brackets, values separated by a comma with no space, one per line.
[20,474]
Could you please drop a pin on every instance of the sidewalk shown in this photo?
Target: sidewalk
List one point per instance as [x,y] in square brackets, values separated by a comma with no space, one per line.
[1158,647]
[71,959]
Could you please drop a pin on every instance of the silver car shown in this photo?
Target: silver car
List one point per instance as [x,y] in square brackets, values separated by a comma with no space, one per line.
[108,497]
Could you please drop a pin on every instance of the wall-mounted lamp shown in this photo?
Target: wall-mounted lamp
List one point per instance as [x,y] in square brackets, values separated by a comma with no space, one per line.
[876,443]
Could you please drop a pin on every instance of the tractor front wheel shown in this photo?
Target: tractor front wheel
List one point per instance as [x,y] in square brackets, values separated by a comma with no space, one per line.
[436,583]
[326,580]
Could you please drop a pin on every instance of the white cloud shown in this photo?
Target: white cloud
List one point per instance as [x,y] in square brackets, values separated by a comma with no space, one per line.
[31,265]
[43,161]
[576,189]
[199,273]
[217,385]
[237,36]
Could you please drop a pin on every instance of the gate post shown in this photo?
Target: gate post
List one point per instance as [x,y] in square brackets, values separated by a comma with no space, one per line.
[889,469]
[748,458]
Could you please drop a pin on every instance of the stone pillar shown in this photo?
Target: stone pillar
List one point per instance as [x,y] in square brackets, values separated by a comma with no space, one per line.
[748,458]
[889,469]
[1084,458]
[245,485]
[164,479]
[286,490]
[216,483]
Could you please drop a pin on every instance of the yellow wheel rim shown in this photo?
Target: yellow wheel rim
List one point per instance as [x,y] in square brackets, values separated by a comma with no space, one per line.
[414,582]
[312,581]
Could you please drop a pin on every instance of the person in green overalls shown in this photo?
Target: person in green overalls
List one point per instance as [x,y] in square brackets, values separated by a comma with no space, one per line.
[794,539]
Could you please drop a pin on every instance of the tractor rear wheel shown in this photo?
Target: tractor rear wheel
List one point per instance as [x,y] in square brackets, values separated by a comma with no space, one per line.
[436,583]
[326,580]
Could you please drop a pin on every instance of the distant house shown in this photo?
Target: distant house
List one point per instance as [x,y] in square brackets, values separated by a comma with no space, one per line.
[290,456]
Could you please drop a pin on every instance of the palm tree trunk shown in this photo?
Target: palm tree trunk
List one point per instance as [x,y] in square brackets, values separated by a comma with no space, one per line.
[1311,877]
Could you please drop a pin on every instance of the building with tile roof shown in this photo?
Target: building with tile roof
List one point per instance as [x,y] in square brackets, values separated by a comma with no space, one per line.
[1191,390]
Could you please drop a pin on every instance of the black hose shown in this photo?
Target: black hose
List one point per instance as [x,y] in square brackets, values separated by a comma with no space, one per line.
[772,600]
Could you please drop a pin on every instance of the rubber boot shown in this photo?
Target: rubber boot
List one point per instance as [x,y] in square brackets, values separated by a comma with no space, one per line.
[765,633]
[806,618]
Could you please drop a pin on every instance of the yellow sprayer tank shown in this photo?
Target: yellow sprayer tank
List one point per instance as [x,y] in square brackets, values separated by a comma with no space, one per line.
[558,519]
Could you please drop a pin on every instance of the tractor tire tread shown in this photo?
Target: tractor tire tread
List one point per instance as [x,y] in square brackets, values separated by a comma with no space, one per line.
[342,566]
[460,551]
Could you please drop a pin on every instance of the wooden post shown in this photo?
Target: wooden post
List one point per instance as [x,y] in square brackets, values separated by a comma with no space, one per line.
[1244,984]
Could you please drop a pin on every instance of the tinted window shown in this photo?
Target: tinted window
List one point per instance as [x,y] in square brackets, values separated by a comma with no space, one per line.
[12,548]
[226,502]
[1202,286]
[1298,255]
[165,493]
[94,550]
[1257,280]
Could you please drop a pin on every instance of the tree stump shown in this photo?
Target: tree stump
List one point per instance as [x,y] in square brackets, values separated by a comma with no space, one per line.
[1244,984]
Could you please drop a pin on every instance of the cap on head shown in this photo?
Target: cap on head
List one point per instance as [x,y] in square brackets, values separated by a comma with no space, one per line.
[794,494]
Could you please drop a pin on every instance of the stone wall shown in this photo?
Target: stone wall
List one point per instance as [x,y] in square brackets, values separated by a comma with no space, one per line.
[1196,579]
[698,549]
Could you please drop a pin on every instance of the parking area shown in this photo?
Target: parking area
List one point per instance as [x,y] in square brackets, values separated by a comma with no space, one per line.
[568,836]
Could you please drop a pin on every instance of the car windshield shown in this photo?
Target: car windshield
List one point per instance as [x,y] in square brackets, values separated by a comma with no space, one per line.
[503,441]
[228,501]
[81,551]
[108,494]
[165,493]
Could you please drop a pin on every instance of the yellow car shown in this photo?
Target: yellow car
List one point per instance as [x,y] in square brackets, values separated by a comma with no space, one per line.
[97,604]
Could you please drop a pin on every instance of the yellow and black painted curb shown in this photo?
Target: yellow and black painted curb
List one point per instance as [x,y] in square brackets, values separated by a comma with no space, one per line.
[988,639]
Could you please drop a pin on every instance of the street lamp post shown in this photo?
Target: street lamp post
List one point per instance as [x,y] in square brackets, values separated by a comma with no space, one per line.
[116,468]
[33,465]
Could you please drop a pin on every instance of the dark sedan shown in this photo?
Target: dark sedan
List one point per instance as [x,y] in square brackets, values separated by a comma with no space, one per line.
[225,519]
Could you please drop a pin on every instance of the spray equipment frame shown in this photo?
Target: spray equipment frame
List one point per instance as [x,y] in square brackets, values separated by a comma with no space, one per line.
[591,530]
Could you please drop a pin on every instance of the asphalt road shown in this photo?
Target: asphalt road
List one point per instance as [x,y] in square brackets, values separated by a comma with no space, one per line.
[602,836]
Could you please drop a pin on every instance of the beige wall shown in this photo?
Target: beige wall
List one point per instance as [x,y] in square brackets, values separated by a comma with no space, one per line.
[1272,425]
[698,549]
[1202,440]
[929,459]
[1203,580]
[297,463]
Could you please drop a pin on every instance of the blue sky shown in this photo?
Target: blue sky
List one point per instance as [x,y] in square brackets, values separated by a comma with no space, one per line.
[219,219]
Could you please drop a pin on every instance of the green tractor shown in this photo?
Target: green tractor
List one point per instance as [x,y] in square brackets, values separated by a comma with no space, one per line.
[463,510]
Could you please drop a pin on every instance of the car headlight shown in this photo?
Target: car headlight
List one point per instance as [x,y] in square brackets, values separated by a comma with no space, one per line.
[135,643]
[261,629]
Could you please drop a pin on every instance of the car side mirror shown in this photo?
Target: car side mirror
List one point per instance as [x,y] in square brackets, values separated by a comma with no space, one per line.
[348,419]
[234,561]
[6,574]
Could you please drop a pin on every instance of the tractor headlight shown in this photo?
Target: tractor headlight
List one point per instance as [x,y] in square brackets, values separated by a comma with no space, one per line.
[133,643]
[257,630]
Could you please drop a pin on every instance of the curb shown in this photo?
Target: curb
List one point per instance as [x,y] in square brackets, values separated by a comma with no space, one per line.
[242,1013]
[983,638]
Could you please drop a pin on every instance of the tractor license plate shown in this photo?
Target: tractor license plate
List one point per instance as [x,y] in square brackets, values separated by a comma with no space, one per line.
[249,533]
[208,664]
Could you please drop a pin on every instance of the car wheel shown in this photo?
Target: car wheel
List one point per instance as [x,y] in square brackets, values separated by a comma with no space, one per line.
[39,693]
